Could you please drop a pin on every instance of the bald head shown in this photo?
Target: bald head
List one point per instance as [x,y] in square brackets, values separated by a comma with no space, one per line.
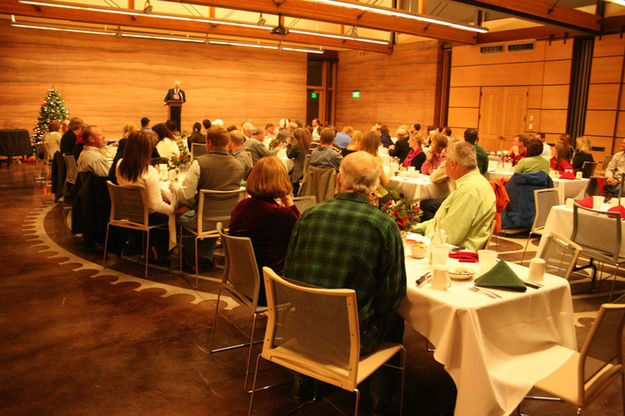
[359,172]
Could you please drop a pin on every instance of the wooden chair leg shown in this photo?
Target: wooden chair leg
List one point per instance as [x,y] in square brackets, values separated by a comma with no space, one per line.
[106,240]
[147,250]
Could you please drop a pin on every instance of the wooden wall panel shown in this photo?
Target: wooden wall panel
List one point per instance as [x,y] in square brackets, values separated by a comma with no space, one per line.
[620,124]
[603,96]
[464,97]
[545,73]
[555,97]
[606,69]
[600,123]
[553,121]
[394,89]
[557,72]
[463,117]
[610,45]
[601,146]
[111,82]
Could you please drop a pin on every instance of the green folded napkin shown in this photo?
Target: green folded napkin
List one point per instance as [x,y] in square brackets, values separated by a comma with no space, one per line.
[501,276]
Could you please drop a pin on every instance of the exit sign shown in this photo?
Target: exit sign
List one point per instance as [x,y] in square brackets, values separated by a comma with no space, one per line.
[314,95]
[355,94]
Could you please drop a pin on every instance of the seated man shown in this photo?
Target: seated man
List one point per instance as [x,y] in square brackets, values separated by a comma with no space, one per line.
[216,170]
[467,213]
[401,148]
[236,147]
[518,150]
[344,138]
[470,136]
[533,161]
[613,173]
[256,148]
[326,156]
[91,158]
[348,243]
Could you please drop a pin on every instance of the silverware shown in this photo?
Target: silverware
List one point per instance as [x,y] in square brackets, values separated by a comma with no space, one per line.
[424,279]
[533,285]
[485,292]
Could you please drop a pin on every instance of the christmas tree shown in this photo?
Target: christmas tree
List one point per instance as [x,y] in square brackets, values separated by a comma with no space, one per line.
[53,108]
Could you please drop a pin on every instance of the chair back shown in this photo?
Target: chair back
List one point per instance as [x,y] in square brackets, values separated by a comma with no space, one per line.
[596,230]
[544,199]
[129,206]
[491,233]
[241,276]
[214,207]
[306,163]
[198,149]
[588,169]
[319,182]
[560,255]
[312,330]
[606,161]
[304,202]
[602,348]
[71,169]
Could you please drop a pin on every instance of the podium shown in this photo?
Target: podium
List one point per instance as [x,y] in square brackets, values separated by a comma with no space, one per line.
[174,111]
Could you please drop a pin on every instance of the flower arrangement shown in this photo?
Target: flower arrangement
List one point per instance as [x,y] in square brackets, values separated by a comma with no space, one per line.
[182,161]
[404,212]
[275,143]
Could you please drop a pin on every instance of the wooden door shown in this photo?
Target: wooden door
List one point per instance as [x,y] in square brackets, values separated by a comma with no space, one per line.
[502,114]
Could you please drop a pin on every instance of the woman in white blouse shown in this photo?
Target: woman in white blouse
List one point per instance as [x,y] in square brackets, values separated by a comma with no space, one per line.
[134,169]
[165,144]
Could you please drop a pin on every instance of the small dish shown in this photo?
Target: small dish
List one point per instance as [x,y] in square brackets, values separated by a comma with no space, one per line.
[461,273]
[418,250]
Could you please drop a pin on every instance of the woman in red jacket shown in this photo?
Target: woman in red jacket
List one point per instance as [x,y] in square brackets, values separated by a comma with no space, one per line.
[268,217]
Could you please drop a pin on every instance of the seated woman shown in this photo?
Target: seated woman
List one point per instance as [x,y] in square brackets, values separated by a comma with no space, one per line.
[434,157]
[52,138]
[196,136]
[533,161]
[134,169]
[297,150]
[165,144]
[416,156]
[559,162]
[582,155]
[262,219]
[353,146]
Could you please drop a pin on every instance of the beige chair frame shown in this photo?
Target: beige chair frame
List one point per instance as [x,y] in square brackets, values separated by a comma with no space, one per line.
[577,249]
[360,368]
[126,223]
[229,285]
[538,226]
[195,146]
[304,202]
[71,169]
[568,381]
[201,233]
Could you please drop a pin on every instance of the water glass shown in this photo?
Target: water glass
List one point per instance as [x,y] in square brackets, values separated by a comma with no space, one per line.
[487,260]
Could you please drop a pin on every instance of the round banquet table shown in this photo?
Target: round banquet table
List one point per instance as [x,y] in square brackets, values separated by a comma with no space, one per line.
[14,142]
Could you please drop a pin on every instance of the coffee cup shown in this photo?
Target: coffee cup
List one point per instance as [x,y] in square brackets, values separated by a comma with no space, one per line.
[486,260]
[537,270]
[579,175]
[440,278]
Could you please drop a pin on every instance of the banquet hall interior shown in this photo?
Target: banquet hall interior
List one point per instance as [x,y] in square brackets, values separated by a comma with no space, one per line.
[83,336]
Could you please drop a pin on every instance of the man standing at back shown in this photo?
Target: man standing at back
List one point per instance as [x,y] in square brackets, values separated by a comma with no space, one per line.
[216,170]
[348,243]
[470,136]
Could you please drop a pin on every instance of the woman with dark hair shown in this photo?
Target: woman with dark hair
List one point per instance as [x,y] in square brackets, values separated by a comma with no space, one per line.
[385,137]
[165,144]
[134,169]
[297,150]
[559,161]
[196,136]
[261,218]
[533,160]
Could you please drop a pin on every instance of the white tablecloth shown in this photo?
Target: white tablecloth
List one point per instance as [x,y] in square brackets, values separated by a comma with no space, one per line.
[494,349]
[419,188]
[567,188]
[560,221]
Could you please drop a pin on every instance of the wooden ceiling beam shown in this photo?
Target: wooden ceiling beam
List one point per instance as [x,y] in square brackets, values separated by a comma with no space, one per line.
[344,16]
[539,32]
[85,16]
[542,11]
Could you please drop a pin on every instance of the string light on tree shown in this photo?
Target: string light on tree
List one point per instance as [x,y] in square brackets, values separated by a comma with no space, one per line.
[53,108]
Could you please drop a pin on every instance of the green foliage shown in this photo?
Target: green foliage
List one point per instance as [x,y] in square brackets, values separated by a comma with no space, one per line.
[53,108]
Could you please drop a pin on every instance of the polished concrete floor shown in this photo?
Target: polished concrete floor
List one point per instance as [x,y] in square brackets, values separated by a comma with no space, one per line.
[76,339]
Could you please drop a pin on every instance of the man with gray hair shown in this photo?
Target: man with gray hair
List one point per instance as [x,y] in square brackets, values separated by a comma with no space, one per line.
[467,213]
[349,243]
[253,145]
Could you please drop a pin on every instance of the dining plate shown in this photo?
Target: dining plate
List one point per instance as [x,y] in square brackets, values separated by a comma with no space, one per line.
[461,273]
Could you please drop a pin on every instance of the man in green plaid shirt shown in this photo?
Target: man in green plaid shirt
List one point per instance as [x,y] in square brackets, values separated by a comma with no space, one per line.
[349,243]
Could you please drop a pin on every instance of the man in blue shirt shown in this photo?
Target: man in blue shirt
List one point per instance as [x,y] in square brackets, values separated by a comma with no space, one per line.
[344,138]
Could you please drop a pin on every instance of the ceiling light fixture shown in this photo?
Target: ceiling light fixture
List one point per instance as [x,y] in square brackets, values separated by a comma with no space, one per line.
[147,7]
[118,33]
[619,2]
[390,12]
[193,19]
